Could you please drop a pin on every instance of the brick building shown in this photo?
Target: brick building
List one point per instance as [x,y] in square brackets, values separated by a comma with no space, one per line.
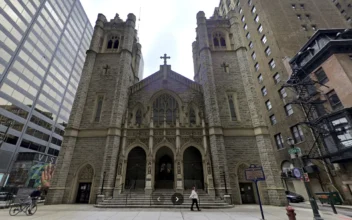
[274,30]
[166,132]
[325,62]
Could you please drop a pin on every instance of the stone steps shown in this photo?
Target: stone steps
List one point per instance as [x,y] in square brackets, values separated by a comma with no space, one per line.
[138,199]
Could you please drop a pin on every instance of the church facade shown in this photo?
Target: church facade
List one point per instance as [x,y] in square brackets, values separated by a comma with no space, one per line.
[165,132]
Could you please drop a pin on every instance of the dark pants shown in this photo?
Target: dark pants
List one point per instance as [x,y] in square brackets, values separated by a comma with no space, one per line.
[196,202]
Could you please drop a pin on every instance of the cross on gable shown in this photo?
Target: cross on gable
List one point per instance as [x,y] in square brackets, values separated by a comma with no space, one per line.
[165,57]
[106,68]
[225,66]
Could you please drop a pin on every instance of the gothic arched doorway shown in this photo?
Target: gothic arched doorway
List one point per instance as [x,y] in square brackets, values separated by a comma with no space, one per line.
[164,169]
[136,168]
[85,179]
[193,168]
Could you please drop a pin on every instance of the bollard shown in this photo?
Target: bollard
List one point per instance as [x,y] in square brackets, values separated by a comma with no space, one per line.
[290,213]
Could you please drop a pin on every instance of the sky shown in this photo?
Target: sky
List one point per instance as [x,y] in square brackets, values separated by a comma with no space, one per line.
[166,26]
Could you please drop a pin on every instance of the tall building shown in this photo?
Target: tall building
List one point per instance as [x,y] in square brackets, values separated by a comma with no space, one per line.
[325,60]
[275,30]
[166,133]
[42,52]
[345,8]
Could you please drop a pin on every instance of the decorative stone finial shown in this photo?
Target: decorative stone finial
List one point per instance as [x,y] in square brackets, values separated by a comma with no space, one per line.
[201,14]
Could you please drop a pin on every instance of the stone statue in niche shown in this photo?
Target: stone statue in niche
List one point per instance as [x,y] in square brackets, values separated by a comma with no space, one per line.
[149,168]
[178,168]
[208,168]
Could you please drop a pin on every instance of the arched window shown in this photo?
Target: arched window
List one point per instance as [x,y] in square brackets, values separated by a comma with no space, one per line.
[165,106]
[216,42]
[222,42]
[110,44]
[116,44]
[139,117]
[232,108]
[219,40]
[192,116]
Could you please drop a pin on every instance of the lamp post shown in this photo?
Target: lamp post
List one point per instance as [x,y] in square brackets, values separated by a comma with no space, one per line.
[296,153]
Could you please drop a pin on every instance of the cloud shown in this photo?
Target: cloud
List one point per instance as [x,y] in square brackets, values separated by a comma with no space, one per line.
[166,26]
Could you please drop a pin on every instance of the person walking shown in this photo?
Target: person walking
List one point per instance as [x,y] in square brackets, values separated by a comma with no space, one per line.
[194,197]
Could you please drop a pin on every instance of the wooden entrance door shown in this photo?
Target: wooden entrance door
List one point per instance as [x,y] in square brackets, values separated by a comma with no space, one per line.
[247,193]
[83,193]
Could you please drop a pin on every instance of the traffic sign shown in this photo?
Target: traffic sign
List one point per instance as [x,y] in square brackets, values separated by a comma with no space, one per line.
[297,173]
[306,177]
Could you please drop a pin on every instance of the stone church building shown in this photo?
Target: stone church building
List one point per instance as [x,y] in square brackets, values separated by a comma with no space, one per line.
[165,132]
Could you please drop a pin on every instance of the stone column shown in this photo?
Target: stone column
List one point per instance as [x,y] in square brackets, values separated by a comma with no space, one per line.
[148,180]
[119,181]
[209,177]
[179,159]
[151,176]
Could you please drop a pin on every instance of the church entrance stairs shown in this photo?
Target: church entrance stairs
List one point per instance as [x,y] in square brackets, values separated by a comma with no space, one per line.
[138,199]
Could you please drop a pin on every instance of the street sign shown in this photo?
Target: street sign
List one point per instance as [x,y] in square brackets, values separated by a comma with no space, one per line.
[295,151]
[254,173]
[297,173]
[306,177]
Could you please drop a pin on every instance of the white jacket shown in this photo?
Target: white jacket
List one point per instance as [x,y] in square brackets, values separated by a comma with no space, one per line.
[193,195]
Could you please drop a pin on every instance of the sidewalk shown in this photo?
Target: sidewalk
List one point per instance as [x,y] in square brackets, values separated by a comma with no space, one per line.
[306,203]
[240,212]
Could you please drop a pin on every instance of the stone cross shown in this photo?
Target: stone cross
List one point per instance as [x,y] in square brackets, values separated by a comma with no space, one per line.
[225,66]
[106,68]
[165,57]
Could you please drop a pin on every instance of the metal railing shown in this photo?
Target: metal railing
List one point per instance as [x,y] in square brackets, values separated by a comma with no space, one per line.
[151,197]
[129,190]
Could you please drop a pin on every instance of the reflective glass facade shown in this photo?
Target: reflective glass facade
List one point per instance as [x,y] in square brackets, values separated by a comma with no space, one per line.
[42,52]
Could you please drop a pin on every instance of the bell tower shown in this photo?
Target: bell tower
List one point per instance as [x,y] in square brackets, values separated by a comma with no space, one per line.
[237,131]
[111,67]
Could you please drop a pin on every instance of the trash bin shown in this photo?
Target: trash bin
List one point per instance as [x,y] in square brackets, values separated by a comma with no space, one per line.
[324,197]
[336,199]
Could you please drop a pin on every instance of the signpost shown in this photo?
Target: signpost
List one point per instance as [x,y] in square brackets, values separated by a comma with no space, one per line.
[255,173]
[295,151]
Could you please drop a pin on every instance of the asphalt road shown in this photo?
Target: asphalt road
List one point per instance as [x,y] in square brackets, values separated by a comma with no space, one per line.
[343,211]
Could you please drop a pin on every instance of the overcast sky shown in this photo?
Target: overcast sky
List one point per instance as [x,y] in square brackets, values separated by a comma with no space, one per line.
[166,26]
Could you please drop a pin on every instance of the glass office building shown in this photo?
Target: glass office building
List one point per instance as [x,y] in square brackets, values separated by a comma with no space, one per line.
[42,52]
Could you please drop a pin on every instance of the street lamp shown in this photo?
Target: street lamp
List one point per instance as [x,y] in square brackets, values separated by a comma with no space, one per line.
[296,152]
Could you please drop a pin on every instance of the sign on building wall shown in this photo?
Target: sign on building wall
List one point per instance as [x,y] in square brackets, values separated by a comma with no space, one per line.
[32,170]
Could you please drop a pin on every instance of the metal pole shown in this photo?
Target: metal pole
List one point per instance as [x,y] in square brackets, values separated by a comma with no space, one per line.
[332,203]
[13,156]
[313,203]
[102,184]
[260,201]
[225,183]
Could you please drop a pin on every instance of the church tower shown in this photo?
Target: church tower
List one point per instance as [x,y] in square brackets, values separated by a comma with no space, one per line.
[238,134]
[94,129]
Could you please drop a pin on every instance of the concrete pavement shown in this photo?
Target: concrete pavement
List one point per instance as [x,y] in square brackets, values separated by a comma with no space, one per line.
[341,209]
[88,212]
